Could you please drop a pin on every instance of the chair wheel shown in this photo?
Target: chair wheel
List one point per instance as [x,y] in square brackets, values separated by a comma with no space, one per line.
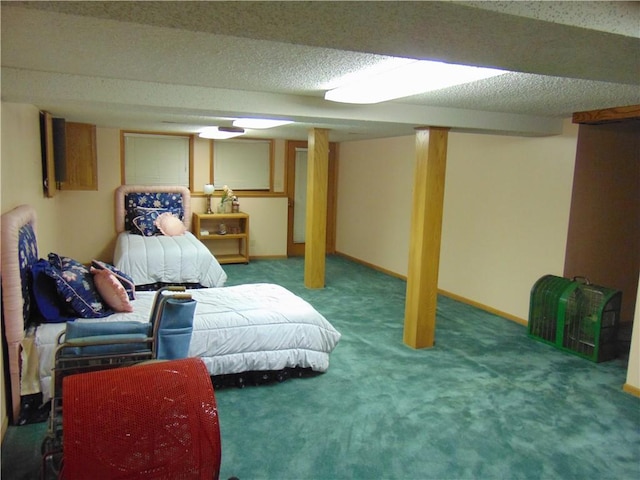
[48,445]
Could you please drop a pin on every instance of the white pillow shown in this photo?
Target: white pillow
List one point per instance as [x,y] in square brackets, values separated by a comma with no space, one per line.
[170,225]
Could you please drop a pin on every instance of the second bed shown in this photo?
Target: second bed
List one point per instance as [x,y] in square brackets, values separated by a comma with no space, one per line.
[244,328]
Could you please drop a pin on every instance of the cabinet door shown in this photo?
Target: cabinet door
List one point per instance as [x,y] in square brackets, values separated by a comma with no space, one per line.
[81,161]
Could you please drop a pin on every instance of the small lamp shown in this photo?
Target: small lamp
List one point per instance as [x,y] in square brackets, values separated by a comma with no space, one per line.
[208,191]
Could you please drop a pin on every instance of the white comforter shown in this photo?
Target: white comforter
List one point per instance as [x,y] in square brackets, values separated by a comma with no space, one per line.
[179,259]
[236,329]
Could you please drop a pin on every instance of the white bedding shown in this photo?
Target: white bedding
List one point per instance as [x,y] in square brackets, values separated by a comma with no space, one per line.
[236,329]
[179,259]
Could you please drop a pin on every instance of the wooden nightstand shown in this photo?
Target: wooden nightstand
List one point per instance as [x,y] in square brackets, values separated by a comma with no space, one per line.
[222,230]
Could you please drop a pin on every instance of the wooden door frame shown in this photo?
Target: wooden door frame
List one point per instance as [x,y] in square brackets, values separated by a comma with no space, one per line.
[294,249]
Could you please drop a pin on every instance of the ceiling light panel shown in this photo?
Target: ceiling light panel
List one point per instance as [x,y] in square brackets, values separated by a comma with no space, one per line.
[407,79]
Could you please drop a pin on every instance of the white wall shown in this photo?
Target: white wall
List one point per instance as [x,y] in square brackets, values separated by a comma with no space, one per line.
[267,225]
[506,211]
[22,168]
[374,201]
[506,215]
[86,218]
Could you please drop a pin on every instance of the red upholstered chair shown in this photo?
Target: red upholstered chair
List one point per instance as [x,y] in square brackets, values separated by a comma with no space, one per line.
[157,420]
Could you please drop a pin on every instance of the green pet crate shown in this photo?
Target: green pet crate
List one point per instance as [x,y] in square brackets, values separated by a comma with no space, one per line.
[575,316]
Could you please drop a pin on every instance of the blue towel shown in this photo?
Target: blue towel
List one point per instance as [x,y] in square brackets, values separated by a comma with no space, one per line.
[176,327]
[103,331]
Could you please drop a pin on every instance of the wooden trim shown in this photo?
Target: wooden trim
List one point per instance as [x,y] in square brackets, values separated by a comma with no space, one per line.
[293,249]
[122,165]
[212,156]
[210,161]
[372,266]
[5,426]
[635,391]
[154,132]
[615,114]
[243,194]
[297,249]
[49,163]
[192,142]
[332,198]
[486,308]
[268,257]
[272,163]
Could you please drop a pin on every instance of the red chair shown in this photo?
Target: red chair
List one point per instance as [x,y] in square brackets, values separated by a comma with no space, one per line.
[156,420]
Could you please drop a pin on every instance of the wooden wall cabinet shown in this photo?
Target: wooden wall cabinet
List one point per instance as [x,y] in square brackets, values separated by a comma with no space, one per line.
[81,157]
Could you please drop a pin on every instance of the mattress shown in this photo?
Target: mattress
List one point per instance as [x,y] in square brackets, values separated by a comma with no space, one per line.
[236,329]
[167,259]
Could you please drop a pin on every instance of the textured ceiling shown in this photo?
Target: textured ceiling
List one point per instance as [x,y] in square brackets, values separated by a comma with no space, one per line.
[178,66]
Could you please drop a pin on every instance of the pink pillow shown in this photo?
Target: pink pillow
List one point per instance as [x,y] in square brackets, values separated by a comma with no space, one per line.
[111,290]
[170,225]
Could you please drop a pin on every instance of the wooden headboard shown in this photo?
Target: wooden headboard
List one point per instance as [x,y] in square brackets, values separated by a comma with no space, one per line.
[122,205]
[19,251]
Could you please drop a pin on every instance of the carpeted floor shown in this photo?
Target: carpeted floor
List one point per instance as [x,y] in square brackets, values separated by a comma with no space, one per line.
[486,402]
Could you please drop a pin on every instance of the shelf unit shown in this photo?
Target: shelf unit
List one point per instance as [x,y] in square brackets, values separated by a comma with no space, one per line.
[229,247]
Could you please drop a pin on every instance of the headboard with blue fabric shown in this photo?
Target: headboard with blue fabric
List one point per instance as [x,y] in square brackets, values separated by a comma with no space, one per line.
[19,253]
[128,198]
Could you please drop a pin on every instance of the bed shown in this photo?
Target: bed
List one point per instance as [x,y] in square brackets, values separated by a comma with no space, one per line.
[244,328]
[167,253]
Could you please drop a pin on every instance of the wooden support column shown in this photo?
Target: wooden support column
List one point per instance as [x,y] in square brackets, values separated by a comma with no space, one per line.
[426,228]
[316,228]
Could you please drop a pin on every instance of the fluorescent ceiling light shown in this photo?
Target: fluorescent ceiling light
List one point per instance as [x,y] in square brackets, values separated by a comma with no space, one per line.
[259,123]
[411,78]
[220,133]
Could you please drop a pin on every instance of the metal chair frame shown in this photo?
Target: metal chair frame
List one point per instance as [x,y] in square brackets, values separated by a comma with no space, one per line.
[66,364]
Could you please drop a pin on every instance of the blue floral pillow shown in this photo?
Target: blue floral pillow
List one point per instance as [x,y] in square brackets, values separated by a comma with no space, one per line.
[52,307]
[75,285]
[169,201]
[144,221]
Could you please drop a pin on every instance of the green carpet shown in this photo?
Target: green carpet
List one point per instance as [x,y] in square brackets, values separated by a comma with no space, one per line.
[486,402]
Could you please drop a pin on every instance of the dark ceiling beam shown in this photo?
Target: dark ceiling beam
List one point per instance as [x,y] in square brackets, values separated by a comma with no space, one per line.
[615,114]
